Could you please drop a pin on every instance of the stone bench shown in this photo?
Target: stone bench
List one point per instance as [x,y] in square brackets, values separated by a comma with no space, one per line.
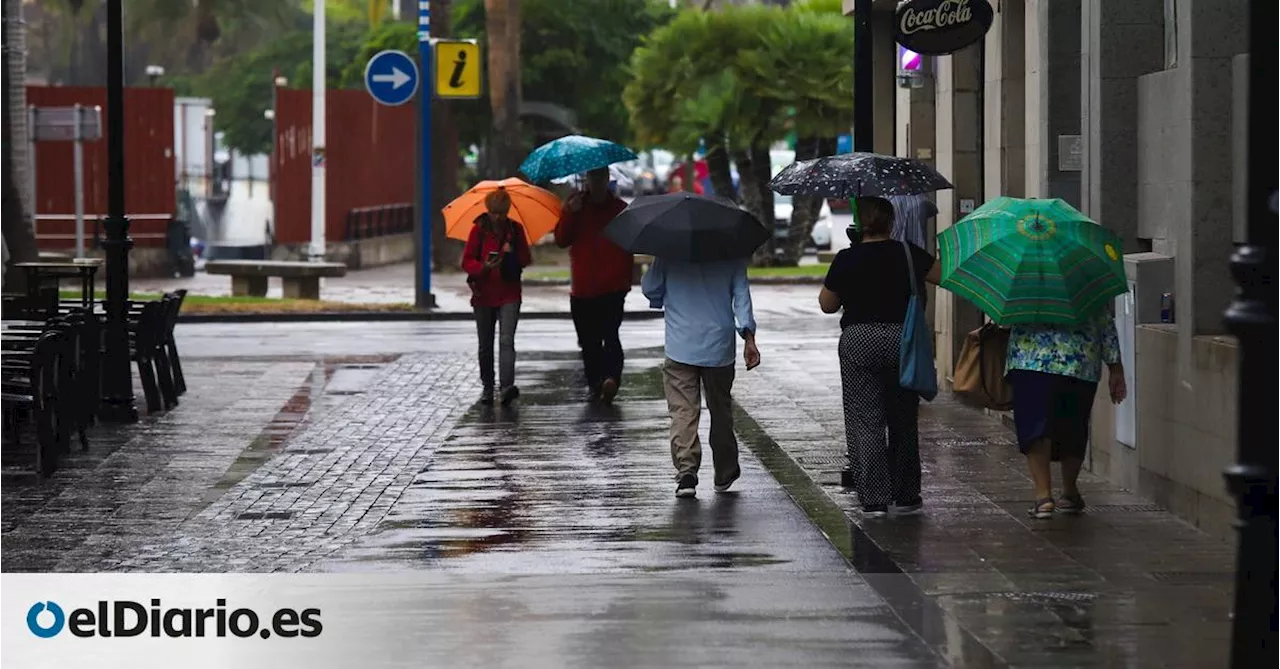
[301,279]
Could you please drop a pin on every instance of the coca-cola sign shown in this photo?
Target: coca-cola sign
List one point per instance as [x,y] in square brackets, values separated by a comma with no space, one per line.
[940,27]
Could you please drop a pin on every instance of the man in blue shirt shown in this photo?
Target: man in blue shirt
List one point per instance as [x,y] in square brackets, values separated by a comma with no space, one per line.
[706,306]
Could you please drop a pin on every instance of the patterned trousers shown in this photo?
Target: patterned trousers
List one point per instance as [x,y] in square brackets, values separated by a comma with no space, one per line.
[879,416]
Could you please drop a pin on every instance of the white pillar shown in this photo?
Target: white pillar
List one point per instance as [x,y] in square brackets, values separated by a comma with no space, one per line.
[317,135]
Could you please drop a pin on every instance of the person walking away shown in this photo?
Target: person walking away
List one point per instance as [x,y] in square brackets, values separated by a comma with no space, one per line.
[911,214]
[706,306]
[1055,371]
[871,281]
[496,253]
[600,278]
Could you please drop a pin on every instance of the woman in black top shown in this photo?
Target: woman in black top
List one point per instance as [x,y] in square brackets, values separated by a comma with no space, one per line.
[870,282]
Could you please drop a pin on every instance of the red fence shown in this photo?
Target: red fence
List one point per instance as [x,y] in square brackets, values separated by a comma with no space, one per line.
[370,160]
[149,167]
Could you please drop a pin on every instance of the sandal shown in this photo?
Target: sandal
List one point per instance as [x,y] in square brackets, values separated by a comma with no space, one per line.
[1043,509]
[1072,504]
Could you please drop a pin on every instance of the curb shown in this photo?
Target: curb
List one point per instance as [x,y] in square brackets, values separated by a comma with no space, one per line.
[384,316]
[761,281]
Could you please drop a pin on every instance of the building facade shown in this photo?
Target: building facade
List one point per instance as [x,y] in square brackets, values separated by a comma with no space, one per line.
[1133,112]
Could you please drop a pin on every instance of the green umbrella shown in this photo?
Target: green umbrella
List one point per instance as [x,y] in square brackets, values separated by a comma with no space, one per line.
[1032,261]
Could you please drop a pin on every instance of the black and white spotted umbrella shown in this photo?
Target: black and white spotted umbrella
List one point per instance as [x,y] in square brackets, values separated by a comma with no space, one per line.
[851,175]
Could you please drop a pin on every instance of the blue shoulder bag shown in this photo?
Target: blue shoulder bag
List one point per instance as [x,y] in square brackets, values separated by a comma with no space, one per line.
[916,370]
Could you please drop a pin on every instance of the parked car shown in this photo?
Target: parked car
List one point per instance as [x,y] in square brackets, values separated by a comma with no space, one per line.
[622,178]
[782,207]
[653,168]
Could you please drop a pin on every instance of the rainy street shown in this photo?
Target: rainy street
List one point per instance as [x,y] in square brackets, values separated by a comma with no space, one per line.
[360,448]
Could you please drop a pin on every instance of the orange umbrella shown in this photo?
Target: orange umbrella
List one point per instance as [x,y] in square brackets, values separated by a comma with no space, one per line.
[536,209]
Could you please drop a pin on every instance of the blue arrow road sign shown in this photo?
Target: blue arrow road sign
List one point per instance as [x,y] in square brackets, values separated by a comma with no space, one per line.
[391,77]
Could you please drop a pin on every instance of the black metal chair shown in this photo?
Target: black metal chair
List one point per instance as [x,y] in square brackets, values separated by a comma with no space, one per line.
[36,378]
[170,343]
[160,354]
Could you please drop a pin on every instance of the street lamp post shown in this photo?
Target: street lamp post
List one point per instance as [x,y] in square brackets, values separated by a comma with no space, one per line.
[154,72]
[1252,319]
[863,111]
[118,402]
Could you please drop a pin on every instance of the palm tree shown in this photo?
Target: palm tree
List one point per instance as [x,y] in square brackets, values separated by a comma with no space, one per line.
[18,223]
[502,24]
[199,23]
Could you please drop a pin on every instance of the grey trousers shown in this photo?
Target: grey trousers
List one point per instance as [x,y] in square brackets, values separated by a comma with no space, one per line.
[505,317]
[683,385]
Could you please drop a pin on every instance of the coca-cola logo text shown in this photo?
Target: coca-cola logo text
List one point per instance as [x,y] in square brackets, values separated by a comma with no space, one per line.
[938,27]
[949,13]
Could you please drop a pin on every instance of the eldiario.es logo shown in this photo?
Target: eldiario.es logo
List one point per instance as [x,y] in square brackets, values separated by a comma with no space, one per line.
[124,618]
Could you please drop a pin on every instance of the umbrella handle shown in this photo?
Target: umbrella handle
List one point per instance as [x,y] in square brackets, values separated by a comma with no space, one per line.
[854,231]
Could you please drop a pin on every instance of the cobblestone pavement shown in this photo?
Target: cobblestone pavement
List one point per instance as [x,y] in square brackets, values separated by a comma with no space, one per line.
[142,481]
[334,479]
[569,506]
[1127,584]
[356,448]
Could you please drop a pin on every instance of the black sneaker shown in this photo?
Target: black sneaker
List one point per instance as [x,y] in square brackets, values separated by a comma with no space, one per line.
[688,486]
[509,394]
[875,510]
[486,397]
[907,508]
[722,485]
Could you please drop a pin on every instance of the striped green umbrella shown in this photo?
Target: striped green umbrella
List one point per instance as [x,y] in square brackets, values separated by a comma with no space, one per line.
[1032,261]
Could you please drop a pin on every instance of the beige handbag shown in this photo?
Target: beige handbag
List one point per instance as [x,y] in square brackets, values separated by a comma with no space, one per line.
[980,370]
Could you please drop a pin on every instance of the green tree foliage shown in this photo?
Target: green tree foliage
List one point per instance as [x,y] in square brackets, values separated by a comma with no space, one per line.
[184,34]
[241,86]
[739,80]
[573,54]
[835,7]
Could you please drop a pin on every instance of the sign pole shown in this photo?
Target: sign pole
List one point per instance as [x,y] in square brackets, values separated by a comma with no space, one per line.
[423,297]
[78,176]
[317,134]
[32,112]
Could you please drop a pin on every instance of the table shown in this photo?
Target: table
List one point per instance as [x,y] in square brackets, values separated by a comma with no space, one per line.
[84,269]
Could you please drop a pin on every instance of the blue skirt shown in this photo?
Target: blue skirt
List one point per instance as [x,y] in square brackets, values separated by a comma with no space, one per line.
[1054,407]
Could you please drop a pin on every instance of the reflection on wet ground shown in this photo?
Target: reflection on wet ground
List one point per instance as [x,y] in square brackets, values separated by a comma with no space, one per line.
[549,485]
[1126,584]
[553,490]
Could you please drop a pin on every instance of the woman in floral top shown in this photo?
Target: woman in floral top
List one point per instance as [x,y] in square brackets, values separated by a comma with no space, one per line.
[1055,372]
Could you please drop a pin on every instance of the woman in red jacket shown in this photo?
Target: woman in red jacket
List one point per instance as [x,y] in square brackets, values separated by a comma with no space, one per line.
[496,253]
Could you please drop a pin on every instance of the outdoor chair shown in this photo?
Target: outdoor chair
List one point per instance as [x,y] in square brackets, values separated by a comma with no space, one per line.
[35,379]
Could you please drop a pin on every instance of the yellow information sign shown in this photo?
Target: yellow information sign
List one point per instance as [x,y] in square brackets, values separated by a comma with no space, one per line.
[457,65]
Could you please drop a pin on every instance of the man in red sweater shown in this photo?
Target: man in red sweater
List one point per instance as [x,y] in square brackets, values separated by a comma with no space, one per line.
[600,278]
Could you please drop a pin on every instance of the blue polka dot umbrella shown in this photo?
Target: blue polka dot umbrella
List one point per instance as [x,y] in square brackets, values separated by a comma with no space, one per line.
[574,154]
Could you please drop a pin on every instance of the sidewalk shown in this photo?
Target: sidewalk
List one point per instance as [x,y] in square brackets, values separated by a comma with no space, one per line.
[1126,584]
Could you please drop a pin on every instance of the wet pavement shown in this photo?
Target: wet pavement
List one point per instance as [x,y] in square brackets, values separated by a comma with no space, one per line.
[1125,584]
[358,449]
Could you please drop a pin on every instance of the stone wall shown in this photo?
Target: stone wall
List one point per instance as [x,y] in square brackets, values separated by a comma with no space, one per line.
[1186,427]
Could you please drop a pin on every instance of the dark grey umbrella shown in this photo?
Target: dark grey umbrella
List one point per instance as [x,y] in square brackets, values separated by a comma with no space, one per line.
[853,175]
[687,227]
